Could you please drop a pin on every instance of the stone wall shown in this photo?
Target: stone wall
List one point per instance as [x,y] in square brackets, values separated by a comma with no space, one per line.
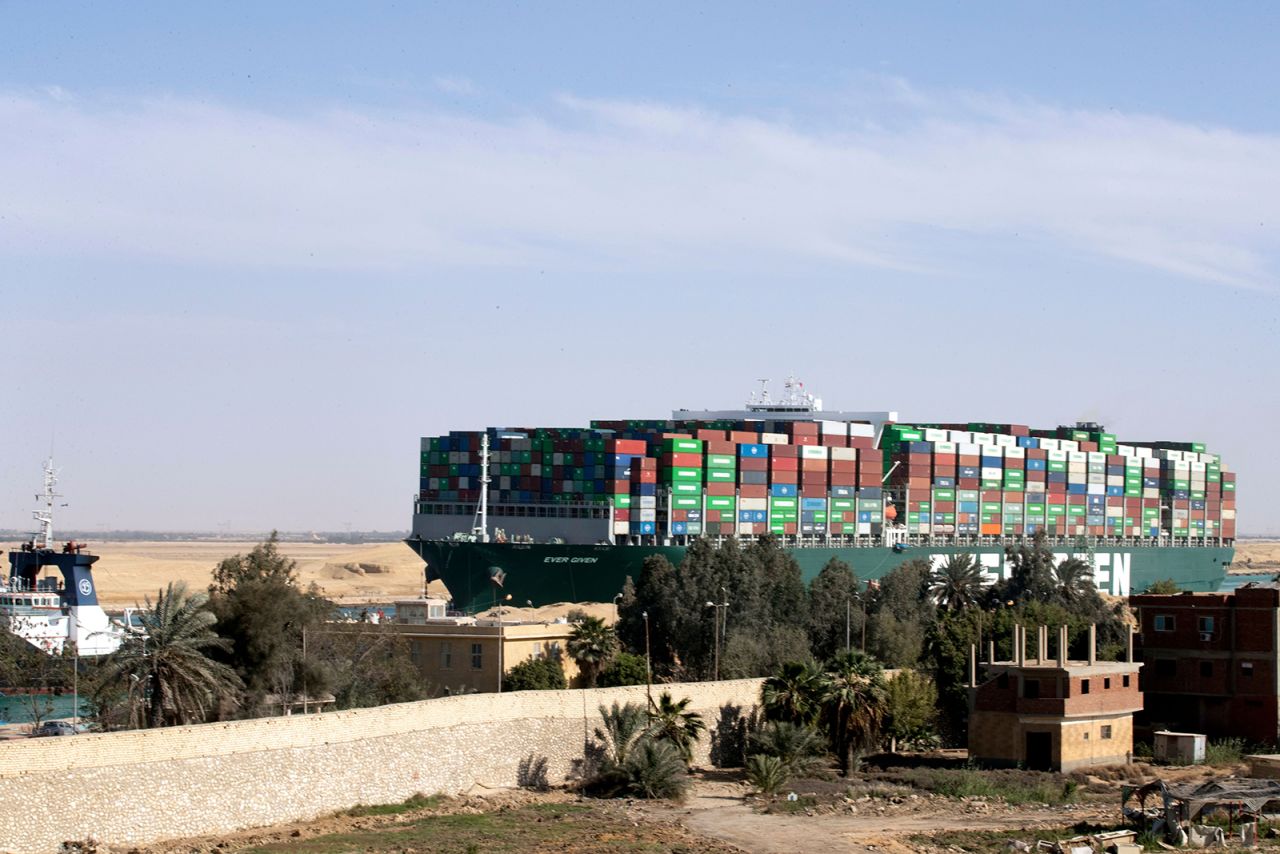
[137,787]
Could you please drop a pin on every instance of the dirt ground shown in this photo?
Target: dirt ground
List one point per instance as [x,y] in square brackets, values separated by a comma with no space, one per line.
[1256,556]
[720,815]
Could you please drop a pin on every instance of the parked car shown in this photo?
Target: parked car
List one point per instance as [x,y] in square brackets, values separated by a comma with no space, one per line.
[54,728]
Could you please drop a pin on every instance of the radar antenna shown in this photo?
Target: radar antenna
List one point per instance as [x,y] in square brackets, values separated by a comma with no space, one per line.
[48,497]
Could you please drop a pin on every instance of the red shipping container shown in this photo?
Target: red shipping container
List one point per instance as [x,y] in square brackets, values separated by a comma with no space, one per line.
[791,527]
[991,495]
[713,515]
[784,464]
[753,490]
[814,465]
[792,451]
[759,528]
[722,448]
[862,443]
[1037,454]
[803,440]
[720,488]
[753,464]
[967,483]
[784,477]
[818,491]
[844,478]
[621,514]
[625,446]
[832,441]
[639,476]
[684,461]
[679,515]
[709,435]
[801,428]
[743,437]
[843,465]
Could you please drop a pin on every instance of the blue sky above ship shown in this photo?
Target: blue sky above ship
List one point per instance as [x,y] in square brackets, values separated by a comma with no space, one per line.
[251,253]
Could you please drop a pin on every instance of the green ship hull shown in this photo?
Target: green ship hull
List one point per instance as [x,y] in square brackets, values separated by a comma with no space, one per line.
[547,573]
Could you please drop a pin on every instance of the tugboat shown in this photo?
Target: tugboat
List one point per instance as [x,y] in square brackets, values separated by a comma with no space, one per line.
[46,609]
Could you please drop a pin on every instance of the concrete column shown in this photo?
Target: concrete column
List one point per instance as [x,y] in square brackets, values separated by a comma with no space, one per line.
[1062,646]
[1042,644]
[1093,644]
[991,652]
[1019,646]
[973,665]
[1129,645]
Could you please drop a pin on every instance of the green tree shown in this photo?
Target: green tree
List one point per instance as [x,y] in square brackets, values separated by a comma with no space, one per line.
[263,612]
[901,608]
[853,704]
[364,664]
[1031,575]
[1163,587]
[622,726]
[911,707]
[835,610]
[625,669]
[958,583]
[169,661]
[1073,580]
[535,674]
[671,721]
[592,645]
[793,693]
[801,749]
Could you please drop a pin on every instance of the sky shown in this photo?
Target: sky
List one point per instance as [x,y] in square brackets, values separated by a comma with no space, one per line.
[250,253]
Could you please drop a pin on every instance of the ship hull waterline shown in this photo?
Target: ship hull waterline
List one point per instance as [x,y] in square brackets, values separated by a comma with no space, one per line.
[547,573]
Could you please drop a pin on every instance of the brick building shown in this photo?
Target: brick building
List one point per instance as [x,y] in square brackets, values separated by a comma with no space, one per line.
[1210,662]
[1052,713]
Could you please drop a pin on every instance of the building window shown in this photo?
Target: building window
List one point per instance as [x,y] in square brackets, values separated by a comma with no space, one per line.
[1166,667]
[1106,731]
[1206,669]
[1106,684]
[1084,686]
[446,655]
[477,656]
[1164,622]
[1086,735]
[537,649]
[1125,682]
[1206,625]
[1246,668]
[1031,689]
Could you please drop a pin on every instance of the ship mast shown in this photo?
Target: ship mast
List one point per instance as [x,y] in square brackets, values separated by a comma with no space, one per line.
[481,531]
[45,517]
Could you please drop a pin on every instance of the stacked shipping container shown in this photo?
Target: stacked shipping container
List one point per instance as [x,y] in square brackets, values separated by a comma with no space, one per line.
[828,478]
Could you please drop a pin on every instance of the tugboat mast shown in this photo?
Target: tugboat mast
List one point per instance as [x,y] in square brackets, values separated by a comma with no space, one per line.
[44,537]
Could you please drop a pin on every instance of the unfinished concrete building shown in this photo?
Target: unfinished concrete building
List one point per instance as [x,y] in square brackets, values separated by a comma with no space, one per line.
[1052,713]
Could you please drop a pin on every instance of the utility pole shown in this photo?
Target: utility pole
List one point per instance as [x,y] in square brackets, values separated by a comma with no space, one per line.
[648,662]
[719,607]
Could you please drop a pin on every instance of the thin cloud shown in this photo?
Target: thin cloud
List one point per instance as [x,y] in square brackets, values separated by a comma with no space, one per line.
[624,184]
[454,85]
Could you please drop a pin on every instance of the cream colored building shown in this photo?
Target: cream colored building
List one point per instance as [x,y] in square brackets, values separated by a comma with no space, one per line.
[464,655]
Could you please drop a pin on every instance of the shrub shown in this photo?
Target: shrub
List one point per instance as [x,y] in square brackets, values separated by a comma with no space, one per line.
[1228,751]
[625,669]
[766,773]
[655,769]
[535,674]
[800,749]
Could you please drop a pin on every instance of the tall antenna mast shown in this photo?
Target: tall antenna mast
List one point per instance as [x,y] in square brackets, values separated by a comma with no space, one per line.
[49,496]
[481,531]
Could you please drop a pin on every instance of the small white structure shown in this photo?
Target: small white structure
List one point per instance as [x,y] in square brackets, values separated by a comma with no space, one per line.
[1183,748]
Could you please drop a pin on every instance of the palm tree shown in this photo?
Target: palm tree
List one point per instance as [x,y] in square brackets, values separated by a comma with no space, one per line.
[793,694]
[592,645]
[169,660]
[853,704]
[624,726]
[1073,580]
[672,722]
[957,584]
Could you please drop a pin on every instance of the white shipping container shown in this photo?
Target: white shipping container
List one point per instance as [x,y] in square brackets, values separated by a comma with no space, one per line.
[1098,478]
[934,435]
[621,527]
[944,447]
[1115,511]
[813,452]
[1036,486]
[844,453]
[1015,453]
[864,528]
[773,439]
[990,450]
[1077,457]
[1125,450]
[1050,445]
[1197,466]
[961,436]
[1228,513]
[1068,445]
[1097,457]
[834,428]
[644,501]
[1151,492]
[1151,465]
[968,449]
[1057,456]
[1115,480]
[1208,458]
[858,429]
[991,473]
[983,439]
[644,515]
[744,527]
[753,503]
[1096,489]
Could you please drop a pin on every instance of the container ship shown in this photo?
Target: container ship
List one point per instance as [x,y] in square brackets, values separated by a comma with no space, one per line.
[544,515]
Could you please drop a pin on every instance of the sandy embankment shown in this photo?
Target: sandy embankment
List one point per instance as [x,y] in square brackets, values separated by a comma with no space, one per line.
[128,572]
[1257,556]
